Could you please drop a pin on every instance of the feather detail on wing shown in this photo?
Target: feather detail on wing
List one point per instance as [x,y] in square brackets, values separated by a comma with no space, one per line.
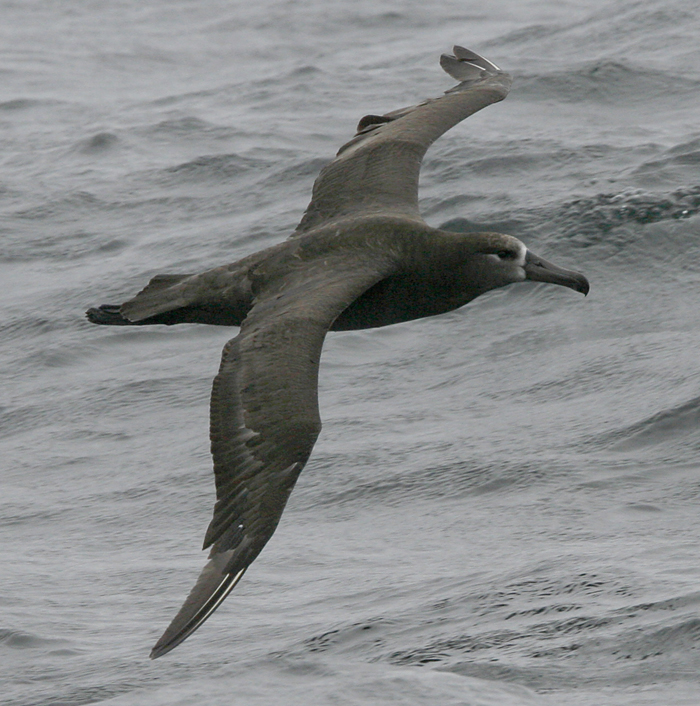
[377,171]
[265,420]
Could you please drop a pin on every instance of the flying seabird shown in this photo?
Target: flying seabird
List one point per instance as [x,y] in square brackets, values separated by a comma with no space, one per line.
[361,257]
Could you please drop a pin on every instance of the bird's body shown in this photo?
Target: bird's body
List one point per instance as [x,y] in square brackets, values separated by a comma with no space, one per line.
[427,272]
[361,257]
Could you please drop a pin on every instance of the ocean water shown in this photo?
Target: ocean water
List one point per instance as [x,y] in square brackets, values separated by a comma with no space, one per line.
[503,506]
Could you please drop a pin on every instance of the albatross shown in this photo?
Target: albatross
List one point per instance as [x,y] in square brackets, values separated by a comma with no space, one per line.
[361,257]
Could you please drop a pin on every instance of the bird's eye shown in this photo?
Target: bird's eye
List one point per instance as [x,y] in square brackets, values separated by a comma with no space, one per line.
[506,254]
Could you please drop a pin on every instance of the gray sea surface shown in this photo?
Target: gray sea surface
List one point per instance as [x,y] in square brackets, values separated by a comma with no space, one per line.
[503,506]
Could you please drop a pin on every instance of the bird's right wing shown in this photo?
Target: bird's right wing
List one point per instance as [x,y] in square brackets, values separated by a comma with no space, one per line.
[376,173]
[265,420]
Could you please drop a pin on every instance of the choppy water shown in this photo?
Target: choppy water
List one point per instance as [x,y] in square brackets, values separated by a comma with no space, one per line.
[503,505]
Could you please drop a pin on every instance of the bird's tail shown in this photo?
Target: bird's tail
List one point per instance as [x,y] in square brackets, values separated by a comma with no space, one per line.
[160,302]
[108,315]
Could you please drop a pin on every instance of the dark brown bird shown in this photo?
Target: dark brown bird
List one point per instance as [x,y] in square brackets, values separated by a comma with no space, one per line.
[361,257]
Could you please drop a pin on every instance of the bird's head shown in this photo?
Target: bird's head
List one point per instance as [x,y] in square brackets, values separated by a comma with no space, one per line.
[502,259]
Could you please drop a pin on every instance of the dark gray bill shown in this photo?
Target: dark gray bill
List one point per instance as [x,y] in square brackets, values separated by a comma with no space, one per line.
[539,270]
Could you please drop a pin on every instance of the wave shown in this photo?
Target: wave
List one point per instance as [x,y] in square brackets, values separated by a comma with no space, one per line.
[188,126]
[667,425]
[644,28]
[98,143]
[589,220]
[16,639]
[27,103]
[217,167]
[599,215]
[608,81]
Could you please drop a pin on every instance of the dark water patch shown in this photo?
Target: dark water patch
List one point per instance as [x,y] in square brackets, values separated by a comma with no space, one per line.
[215,167]
[29,325]
[601,374]
[161,211]
[550,592]
[608,82]
[588,584]
[690,600]
[98,436]
[644,653]
[54,357]
[450,481]
[525,35]
[57,246]
[518,164]
[539,655]
[99,143]
[445,649]
[523,620]
[13,515]
[459,202]
[20,419]
[639,29]
[128,494]
[511,158]
[78,200]
[642,507]
[552,645]
[188,97]
[10,195]
[136,58]
[307,70]
[121,397]
[675,165]
[189,126]
[351,637]
[381,19]
[48,230]
[18,640]
[682,640]
[525,343]
[24,104]
[492,671]
[78,695]
[682,421]
[289,175]
[589,220]
[612,219]
[545,610]
[512,226]
[690,147]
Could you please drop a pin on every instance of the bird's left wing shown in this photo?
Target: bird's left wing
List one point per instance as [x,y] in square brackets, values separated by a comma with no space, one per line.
[376,173]
[265,420]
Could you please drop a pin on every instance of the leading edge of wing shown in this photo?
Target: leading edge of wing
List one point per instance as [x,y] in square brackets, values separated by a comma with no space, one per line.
[377,171]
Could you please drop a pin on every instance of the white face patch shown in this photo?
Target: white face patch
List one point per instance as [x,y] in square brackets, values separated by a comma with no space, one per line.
[520,261]
[511,259]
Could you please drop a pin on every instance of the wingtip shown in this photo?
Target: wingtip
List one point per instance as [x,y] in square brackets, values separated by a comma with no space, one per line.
[468,67]
[471,56]
[159,651]
[208,593]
